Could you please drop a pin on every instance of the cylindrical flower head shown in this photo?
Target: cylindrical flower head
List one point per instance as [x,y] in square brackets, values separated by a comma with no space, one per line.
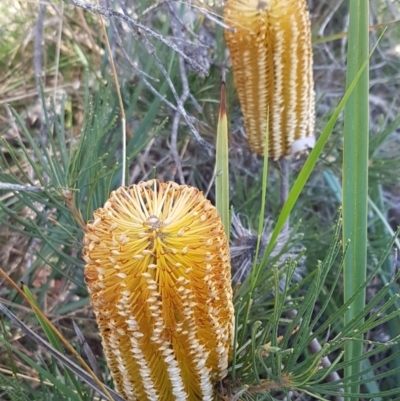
[271,57]
[158,274]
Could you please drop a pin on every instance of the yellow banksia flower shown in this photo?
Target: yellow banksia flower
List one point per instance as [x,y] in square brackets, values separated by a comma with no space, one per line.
[158,274]
[271,55]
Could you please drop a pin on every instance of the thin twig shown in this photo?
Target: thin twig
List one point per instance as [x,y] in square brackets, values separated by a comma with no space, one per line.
[57,63]
[159,163]
[187,41]
[185,27]
[144,77]
[153,8]
[12,121]
[212,17]
[175,22]
[37,57]
[37,53]
[196,103]
[121,104]
[151,50]
[139,72]
[239,393]
[182,111]
[174,148]
[108,12]
[89,353]
[22,188]
[328,17]
[210,184]
[35,93]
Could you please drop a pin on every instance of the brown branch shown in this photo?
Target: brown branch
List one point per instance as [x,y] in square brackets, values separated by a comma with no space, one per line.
[108,13]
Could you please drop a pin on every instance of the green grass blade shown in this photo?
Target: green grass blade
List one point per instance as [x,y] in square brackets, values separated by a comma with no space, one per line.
[222,165]
[355,178]
[12,388]
[53,341]
[261,218]
[48,331]
[257,267]
[44,373]
[66,361]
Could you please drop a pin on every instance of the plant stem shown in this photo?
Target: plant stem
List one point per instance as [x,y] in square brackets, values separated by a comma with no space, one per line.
[284,164]
[355,179]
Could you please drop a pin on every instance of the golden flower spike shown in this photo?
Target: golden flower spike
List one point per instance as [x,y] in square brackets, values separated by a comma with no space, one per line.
[158,274]
[271,57]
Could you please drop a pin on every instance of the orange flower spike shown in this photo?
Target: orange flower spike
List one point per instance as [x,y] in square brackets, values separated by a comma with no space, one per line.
[271,57]
[158,274]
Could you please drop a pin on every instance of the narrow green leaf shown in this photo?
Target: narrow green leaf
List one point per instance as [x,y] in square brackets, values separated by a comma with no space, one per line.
[355,178]
[47,375]
[222,164]
[53,340]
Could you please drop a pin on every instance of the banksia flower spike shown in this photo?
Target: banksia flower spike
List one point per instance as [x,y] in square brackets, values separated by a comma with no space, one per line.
[271,55]
[158,274]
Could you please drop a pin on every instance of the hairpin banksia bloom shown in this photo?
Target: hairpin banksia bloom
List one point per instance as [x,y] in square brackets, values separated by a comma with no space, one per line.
[158,274]
[271,55]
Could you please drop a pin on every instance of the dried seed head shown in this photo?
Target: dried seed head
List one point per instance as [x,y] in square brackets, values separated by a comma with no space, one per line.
[244,245]
[243,249]
[161,291]
[271,57]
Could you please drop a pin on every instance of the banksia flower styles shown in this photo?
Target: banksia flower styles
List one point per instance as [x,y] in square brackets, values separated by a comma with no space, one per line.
[158,274]
[272,65]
